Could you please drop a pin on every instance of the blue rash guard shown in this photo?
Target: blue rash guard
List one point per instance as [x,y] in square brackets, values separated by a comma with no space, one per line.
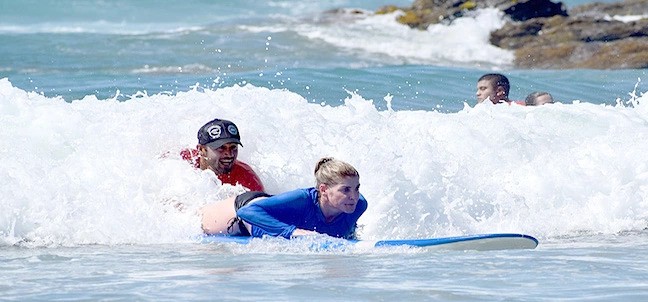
[281,214]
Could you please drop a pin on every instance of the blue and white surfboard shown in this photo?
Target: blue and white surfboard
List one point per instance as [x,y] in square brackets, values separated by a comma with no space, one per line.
[480,242]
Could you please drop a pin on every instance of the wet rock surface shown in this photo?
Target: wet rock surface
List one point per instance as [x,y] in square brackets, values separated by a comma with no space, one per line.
[544,34]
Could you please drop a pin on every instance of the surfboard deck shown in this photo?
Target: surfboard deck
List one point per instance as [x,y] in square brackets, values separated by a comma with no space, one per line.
[479,242]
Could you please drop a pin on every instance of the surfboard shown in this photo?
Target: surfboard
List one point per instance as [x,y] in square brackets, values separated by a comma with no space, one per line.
[479,242]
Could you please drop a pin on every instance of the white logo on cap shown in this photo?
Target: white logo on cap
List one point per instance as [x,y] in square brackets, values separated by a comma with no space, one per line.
[214,131]
[232,129]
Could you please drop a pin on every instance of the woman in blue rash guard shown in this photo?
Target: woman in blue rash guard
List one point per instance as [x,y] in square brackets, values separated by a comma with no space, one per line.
[332,207]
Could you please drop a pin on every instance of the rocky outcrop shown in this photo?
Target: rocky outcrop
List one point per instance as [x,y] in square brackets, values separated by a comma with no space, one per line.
[576,42]
[597,9]
[543,34]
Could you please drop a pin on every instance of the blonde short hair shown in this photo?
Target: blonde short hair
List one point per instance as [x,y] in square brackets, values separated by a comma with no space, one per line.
[331,171]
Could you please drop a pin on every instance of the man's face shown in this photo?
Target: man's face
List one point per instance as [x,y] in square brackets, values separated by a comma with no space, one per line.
[486,89]
[544,99]
[221,159]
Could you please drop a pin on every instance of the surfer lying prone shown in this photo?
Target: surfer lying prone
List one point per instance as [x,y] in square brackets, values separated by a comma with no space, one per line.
[332,207]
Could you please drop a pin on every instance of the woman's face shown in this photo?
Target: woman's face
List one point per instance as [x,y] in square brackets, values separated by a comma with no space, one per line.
[342,197]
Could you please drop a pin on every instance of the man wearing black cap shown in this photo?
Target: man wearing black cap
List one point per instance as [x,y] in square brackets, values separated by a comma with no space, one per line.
[217,150]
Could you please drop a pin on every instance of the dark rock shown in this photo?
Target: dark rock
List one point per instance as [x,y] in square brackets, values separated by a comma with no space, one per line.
[525,10]
[561,29]
[423,13]
[580,42]
[544,35]
[619,54]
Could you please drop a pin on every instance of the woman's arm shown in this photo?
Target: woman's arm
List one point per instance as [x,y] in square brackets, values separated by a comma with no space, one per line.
[274,215]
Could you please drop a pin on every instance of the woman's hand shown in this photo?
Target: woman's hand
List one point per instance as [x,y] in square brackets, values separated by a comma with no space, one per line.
[302,232]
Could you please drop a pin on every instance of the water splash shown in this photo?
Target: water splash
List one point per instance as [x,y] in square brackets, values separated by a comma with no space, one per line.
[95,171]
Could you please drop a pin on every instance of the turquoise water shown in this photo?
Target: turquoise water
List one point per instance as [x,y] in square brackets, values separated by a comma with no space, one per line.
[119,48]
[97,98]
[578,271]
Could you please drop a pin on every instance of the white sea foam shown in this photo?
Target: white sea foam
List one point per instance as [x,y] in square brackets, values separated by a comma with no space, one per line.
[464,40]
[189,68]
[98,27]
[626,18]
[103,171]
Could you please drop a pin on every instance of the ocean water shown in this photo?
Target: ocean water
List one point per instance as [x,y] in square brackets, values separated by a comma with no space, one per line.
[98,97]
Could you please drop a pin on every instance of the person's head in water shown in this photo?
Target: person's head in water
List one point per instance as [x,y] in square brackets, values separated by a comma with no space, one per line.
[493,86]
[218,142]
[338,184]
[538,98]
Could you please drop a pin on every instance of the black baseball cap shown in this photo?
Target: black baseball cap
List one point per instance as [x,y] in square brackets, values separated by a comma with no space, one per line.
[217,133]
